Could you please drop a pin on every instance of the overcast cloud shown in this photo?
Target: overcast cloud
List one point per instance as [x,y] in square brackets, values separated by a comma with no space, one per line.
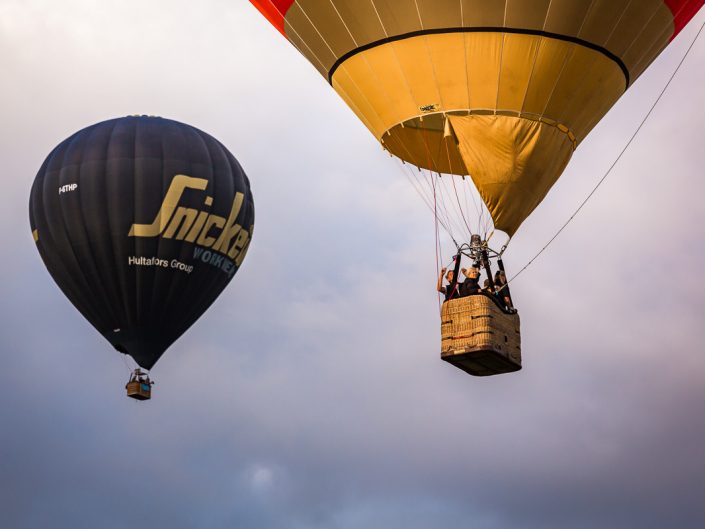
[311,395]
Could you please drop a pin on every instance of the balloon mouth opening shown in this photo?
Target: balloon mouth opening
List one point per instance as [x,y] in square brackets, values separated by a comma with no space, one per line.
[426,141]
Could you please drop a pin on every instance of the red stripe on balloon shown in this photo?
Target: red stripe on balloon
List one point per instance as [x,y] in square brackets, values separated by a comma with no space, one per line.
[275,11]
[683,11]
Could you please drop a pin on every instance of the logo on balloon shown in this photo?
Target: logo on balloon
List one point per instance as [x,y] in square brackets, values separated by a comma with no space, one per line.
[205,229]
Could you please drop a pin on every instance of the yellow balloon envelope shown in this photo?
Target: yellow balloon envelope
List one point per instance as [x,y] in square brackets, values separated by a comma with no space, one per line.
[501,90]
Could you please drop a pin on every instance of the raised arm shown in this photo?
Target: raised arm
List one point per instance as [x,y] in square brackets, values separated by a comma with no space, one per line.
[439,285]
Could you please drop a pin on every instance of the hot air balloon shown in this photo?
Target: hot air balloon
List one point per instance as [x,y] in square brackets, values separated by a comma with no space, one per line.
[500,91]
[142,222]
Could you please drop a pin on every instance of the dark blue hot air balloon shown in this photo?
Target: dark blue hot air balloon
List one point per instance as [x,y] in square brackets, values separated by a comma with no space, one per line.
[142,222]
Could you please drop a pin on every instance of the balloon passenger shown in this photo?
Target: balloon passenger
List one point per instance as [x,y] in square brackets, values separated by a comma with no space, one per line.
[449,291]
[471,285]
[500,282]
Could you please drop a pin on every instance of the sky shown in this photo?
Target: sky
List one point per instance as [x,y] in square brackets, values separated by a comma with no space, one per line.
[311,395]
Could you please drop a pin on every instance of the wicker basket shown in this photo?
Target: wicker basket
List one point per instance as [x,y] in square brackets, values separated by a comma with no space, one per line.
[139,390]
[478,337]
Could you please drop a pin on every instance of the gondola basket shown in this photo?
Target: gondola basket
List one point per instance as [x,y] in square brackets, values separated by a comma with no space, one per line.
[479,337]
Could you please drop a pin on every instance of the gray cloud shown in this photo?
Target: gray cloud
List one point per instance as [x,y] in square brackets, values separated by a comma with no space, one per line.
[311,394]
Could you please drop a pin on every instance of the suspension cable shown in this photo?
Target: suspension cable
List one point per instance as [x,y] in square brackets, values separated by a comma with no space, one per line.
[619,157]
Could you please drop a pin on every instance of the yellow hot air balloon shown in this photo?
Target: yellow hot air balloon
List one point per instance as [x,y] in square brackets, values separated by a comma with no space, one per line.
[502,91]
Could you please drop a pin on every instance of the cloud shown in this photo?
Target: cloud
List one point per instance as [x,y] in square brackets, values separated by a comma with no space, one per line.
[311,395]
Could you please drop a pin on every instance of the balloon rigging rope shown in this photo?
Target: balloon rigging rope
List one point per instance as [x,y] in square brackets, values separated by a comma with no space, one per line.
[604,177]
[127,365]
[437,249]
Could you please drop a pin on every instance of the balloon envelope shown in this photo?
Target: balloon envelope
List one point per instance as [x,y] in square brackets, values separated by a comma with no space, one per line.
[502,91]
[142,222]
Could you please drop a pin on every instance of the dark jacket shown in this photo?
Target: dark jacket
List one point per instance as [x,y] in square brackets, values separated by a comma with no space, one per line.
[470,286]
[451,292]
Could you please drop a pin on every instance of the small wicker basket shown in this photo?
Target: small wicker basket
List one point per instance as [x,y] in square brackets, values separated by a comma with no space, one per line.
[139,390]
[479,337]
